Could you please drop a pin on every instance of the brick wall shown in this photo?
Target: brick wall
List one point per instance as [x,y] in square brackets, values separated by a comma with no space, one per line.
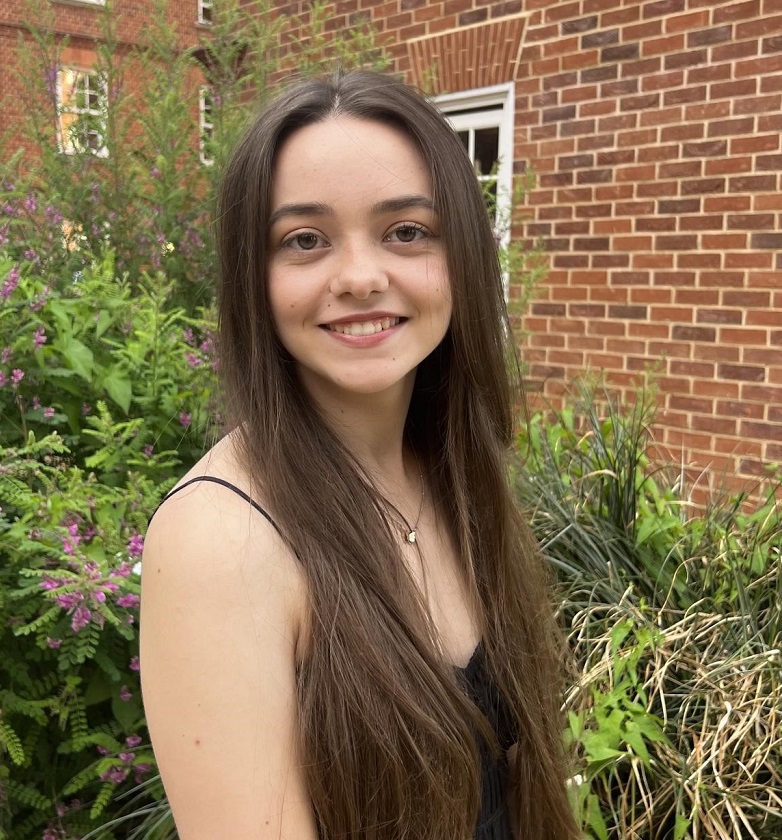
[653,127]
[79,22]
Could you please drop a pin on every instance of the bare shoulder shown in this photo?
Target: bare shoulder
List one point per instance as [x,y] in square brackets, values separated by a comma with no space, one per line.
[222,610]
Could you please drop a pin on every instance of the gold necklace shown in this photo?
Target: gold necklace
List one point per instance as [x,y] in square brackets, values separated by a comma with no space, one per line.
[411,534]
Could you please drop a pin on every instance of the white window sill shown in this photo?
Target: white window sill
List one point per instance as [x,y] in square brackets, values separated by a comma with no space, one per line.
[100,3]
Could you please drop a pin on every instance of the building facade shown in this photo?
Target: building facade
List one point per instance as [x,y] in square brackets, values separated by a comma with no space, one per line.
[653,130]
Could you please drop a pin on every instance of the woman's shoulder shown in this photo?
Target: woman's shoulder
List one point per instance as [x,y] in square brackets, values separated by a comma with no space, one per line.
[214,530]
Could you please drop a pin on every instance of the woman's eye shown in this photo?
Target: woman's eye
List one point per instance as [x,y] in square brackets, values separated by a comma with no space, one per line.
[407,233]
[306,241]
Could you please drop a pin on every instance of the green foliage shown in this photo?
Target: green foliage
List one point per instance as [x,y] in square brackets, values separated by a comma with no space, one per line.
[674,619]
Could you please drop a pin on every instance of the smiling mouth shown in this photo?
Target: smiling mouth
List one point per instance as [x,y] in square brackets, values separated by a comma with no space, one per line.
[361,328]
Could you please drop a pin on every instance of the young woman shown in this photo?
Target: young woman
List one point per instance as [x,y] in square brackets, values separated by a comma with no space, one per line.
[345,631]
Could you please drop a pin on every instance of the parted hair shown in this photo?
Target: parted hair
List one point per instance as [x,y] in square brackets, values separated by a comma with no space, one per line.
[388,736]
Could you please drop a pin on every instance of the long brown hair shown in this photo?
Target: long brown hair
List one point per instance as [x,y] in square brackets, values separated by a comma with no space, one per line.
[387,734]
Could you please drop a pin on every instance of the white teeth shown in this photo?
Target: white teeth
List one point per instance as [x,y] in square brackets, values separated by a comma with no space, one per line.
[360,328]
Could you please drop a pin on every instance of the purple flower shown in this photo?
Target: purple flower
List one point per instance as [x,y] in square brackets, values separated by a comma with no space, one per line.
[68,600]
[148,450]
[62,809]
[16,376]
[139,771]
[128,601]
[187,335]
[50,582]
[192,360]
[3,379]
[5,356]
[102,751]
[133,741]
[3,235]
[123,570]
[53,216]
[100,597]
[85,409]
[117,775]
[40,301]
[50,80]
[31,203]
[185,419]
[39,338]
[30,255]
[81,618]
[154,173]
[36,402]
[125,694]
[127,757]
[11,282]
[135,546]
[134,665]
[48,413]
[53,643]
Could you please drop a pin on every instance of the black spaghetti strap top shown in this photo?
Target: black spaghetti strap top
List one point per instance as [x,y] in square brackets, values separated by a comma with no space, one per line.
[494,817]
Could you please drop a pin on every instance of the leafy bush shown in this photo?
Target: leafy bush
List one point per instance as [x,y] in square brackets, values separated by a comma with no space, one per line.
[100,388]
[675,624]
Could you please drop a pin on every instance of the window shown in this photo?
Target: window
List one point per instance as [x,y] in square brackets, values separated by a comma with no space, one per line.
[206,125]
[205,12]
[483,119]
[82,110]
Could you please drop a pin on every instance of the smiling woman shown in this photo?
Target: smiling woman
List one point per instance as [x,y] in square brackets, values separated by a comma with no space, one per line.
[345,631]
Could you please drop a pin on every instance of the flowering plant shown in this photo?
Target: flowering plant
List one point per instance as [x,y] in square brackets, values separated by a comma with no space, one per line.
[104,392]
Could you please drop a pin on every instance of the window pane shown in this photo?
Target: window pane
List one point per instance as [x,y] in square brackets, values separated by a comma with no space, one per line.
[486,149]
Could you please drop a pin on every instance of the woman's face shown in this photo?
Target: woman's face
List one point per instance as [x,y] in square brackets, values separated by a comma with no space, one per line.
[357,278]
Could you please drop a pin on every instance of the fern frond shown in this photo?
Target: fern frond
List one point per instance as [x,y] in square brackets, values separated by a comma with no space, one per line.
[10,740]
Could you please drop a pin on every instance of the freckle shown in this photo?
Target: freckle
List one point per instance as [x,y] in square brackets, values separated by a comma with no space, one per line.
[198,742]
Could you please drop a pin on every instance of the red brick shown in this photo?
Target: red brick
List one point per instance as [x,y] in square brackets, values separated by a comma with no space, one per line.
[686,22]
[743,373]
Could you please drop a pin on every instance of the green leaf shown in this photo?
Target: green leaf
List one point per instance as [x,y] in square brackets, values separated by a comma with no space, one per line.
[681,827]
[10,740]
[79,357]
[117,383]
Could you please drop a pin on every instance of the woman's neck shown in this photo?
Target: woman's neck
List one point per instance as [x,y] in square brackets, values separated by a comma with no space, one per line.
[372,427]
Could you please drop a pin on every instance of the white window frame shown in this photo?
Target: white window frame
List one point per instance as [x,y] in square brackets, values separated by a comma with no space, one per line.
[64,139]
[488,107]
[205,6]
[205,126]
[82,2]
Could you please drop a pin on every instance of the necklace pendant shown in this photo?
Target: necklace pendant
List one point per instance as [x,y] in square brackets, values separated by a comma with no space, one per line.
[411,537]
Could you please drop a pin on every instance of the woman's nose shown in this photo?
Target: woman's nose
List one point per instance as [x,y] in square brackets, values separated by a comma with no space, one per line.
[359,271]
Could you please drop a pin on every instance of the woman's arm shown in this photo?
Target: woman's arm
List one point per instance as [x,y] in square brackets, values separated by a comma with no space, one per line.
[223,602]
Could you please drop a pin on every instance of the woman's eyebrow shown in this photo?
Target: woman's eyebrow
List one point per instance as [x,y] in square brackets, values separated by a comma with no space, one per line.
[317,208]
[404,202]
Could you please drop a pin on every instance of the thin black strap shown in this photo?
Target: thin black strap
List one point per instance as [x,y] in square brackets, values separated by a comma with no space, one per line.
[230,486]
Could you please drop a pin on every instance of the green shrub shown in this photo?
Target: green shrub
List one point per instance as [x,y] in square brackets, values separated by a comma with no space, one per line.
[674,620]
[100,390]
